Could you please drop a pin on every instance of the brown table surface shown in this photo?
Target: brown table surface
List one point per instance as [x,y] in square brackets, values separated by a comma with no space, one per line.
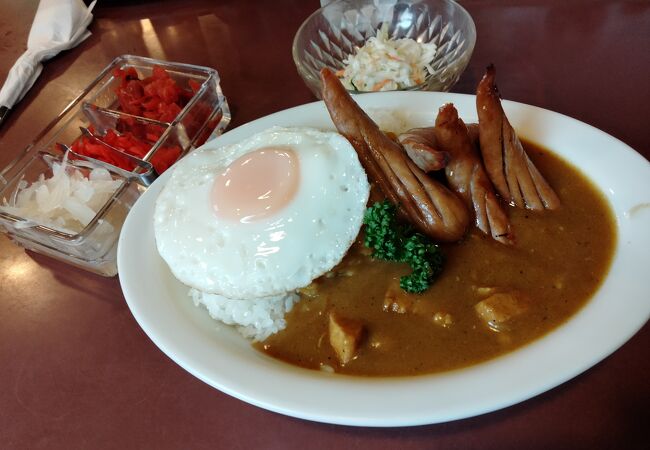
[76,370]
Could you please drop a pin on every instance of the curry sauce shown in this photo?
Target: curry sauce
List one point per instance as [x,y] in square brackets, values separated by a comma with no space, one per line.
[558,262]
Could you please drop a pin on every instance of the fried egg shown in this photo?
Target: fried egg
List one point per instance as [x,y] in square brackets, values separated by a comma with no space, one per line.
[264,216]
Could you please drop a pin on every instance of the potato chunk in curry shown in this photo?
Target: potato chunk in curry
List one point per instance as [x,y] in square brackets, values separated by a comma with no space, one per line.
[345,336]
[499,308]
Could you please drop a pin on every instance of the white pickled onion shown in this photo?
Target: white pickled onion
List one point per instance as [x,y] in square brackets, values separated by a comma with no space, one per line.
[67,201]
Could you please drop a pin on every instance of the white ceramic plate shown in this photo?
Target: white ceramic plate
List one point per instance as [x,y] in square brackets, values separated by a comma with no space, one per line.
[217,355]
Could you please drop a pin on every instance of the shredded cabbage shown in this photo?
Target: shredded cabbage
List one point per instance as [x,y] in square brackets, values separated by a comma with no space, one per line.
[384,64]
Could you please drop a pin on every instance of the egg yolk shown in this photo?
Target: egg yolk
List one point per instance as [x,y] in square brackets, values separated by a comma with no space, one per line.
[257,184]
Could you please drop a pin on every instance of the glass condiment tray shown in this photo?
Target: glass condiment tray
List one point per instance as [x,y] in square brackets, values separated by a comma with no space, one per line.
[94,113]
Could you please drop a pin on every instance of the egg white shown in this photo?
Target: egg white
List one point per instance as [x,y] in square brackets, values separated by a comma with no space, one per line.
[278,253]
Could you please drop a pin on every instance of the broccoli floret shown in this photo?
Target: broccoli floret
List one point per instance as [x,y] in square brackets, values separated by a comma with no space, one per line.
[393,241]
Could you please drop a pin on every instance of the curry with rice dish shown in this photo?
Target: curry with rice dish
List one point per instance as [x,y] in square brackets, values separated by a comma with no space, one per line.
[541,243]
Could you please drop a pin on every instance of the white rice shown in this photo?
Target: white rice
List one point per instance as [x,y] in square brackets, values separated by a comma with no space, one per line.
[255,319]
